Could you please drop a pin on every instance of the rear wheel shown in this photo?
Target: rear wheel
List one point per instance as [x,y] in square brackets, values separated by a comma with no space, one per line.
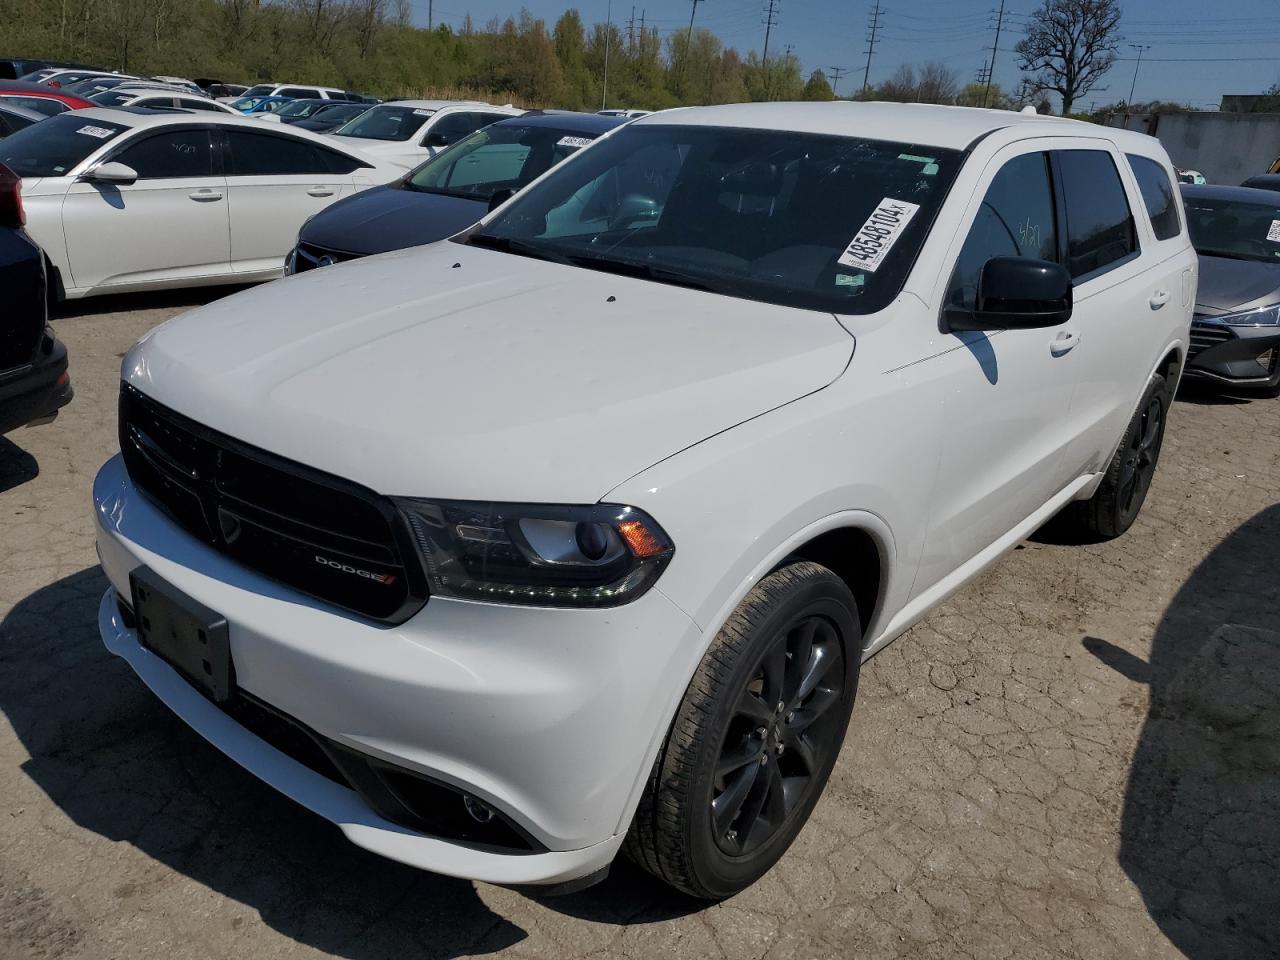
[1118,500]
[755,738]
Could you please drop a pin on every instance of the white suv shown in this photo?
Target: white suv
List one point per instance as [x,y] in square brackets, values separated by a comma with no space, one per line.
[571,533]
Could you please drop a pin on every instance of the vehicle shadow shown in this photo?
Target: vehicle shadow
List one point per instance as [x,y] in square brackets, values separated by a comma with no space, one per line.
[16,465]
[1199,832]
[1205,395]
[119,764]
[149,300]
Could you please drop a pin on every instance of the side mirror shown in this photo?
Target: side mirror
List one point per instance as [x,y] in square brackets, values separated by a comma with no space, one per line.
[112,172]
[436,140]
[499,197]
[633,208]
[1016,293]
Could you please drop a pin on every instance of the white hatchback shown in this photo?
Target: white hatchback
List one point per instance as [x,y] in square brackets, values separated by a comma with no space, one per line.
[407,132]
[123,199]
[571,533]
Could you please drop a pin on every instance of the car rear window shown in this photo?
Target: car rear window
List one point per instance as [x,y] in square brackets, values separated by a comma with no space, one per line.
[1158,195]
[46,105]
[1100,233]
[53,147]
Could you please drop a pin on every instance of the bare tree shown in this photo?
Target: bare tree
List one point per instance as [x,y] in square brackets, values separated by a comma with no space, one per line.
[1069,45]
[938,83]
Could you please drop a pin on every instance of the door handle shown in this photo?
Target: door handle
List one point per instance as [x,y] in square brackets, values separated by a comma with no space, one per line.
[320,192]
[1159,299]
[1063,343]
[205,195]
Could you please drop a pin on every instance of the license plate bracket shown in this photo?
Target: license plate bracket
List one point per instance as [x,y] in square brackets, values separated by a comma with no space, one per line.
[190,637]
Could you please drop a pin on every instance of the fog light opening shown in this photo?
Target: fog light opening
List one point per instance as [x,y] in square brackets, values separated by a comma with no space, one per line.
[480,811]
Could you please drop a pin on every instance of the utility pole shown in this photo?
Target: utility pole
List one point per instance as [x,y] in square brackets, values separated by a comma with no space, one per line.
[986,92]
[836,73]
[871,44]
[608,35]
[1133,86]
[631,32]
[688,39]
[431,14]
[770,18]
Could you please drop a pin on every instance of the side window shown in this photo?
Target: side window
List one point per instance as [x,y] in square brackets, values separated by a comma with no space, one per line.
[1100,234]
[1015,220]
[191,103]
[169,155]
[340,162]
[1157,194]
[259,154]
[454,126]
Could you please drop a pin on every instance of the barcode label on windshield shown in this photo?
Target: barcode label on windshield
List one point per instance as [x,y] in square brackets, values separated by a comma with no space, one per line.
[1274,232]
[573,141]
[878,234]
[100,132]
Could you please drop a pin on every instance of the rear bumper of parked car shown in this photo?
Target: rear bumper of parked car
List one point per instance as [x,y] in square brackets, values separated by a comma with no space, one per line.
[35,393]
[1241,356]
[546,716]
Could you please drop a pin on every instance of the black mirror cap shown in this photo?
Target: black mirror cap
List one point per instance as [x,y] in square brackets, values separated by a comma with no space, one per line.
[1016,293]
[499,197]
[437,140]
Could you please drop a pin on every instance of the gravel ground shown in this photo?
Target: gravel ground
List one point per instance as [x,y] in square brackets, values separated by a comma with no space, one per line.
[1077,756]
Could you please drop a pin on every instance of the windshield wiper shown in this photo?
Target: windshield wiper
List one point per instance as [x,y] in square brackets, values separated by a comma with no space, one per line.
[648,271]
[521,248]
[438,192]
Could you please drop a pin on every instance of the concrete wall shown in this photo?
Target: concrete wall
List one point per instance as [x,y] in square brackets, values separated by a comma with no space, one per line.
[1225,147]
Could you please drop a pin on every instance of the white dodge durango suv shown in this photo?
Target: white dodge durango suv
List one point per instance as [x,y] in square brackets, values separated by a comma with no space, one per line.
[569,534]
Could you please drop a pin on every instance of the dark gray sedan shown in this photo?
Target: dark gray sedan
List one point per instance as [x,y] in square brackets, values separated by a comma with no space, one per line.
[447,193]
[1235,334]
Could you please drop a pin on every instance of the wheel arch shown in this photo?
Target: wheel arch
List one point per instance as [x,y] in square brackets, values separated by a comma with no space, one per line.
[854,555]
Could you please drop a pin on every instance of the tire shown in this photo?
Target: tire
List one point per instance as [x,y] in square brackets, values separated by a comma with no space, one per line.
[686,830]
[1118,500]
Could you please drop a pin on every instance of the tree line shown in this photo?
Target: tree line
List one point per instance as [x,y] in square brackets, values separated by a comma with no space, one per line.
[372,46]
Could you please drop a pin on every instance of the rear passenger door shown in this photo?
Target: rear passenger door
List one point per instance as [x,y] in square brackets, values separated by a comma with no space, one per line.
[1116,293]
[275,182]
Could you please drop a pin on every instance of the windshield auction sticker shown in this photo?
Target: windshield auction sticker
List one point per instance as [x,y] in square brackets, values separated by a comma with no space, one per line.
[573,142]
[1274,233]
[878,234]
[100,132]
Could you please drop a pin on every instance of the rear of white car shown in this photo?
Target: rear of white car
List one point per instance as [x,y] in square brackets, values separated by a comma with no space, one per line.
[501,551]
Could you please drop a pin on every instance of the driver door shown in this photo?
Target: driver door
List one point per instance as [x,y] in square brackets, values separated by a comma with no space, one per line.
[171,223]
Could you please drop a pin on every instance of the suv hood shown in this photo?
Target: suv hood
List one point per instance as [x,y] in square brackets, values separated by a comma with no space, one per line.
[1231,286]
[453,372]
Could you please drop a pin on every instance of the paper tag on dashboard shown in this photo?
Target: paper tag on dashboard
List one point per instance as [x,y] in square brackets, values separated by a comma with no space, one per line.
[573,141]
[878,235]
[100,132]
[1274,233]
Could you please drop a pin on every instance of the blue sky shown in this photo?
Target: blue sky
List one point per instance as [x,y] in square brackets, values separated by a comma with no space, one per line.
[1192,58]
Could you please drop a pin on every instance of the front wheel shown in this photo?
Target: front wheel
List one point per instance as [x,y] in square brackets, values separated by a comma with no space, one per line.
[755,738]
[1116,503]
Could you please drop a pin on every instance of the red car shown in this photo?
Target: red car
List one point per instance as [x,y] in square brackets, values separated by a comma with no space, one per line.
[36,96]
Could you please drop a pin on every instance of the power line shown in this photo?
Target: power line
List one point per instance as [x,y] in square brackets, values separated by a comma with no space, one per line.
[836,74]
[871,44]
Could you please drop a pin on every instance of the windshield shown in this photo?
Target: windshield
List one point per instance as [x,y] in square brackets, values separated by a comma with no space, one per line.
[301,108]
[386,123]
[46,105]
[86,88]
[1239,230]
[245,103]
[114,98]
[805,220]
[497,158]
[337,112]
[259,90]
[54,146]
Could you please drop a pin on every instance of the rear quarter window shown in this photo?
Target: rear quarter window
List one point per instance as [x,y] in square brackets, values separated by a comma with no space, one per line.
[1100,230]
[1158,195]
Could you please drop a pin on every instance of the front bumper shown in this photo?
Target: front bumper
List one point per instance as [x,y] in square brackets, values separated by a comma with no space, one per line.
[35,394]
[549,716]
[1230,355]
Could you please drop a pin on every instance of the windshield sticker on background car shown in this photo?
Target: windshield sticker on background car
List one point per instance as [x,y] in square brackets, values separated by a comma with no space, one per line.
[850,279]
[1274,233]
[573,141]
[423,113]
[878,235]
[930,165]
[100,132]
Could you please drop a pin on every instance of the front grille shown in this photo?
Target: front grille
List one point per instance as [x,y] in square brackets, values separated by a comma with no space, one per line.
[320,534]
[1206,335]
[309,256]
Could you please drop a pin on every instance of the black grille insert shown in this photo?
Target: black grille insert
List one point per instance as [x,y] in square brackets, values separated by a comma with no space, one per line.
[325,536]
[1206,335]
[309,256]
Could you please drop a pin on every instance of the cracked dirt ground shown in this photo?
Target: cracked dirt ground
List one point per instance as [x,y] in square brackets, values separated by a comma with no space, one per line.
[1077,756]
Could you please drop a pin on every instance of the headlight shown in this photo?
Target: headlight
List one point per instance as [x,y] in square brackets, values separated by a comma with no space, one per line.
[1262,317]
[592,556]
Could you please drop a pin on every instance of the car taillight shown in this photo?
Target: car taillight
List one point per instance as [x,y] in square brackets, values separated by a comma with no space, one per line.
[11,212]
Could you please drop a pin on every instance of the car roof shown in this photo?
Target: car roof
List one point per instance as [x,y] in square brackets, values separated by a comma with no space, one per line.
[1221,191]
[139,118]
[27,88]
[568,121]
[1268,178]
[920,123]
[156,92]
[432,104]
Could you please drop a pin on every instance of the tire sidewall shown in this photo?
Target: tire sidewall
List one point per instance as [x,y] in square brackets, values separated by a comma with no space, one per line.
[715,871]
[1157,389]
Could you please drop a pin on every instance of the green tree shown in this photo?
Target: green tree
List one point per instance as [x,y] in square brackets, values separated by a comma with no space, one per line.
[817,87]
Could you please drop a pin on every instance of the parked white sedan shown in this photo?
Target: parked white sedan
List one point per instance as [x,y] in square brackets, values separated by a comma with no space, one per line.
[160,98]
[407,132]
[127,199]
